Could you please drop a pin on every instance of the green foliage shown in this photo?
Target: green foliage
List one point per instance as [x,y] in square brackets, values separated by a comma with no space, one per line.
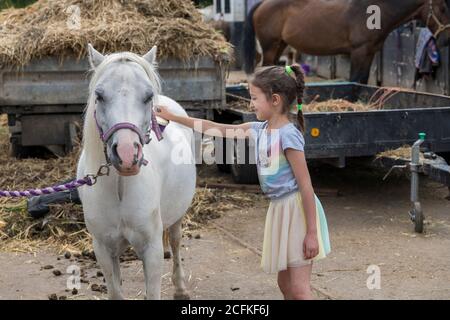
[203,3]
[15,3]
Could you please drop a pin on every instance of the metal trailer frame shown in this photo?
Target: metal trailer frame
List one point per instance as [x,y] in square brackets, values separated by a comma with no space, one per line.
[361,134]
[48,97]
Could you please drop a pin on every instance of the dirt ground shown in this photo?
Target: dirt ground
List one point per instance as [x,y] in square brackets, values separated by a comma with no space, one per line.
[368,222]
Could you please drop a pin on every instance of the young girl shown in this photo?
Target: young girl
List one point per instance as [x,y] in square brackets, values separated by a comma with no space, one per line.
[296,231]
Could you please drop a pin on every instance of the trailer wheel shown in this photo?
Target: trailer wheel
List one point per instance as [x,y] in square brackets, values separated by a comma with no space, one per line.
[243,173]
[417,217]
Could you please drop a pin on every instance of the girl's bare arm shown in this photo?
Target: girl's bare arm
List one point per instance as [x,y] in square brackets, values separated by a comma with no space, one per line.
[239,131]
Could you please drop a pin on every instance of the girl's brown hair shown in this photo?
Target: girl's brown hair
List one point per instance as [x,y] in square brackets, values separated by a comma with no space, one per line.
[276,80]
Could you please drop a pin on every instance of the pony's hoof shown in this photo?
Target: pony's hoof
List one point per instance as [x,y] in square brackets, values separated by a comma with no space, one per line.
[167,255]
[181,296]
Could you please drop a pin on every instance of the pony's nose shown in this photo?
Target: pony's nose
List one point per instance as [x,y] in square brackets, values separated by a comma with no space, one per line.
[127,155]
[115,154]
[138,154]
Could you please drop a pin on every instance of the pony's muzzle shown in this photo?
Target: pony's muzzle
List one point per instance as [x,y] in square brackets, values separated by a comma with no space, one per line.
[126,153]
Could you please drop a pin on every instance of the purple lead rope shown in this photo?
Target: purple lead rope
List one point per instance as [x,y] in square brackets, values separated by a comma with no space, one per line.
[37,192]
[89,180]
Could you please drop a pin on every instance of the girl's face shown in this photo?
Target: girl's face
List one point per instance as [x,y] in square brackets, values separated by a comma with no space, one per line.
[263,107]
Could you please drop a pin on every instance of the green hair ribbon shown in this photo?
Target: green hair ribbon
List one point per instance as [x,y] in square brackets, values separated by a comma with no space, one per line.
[289,70]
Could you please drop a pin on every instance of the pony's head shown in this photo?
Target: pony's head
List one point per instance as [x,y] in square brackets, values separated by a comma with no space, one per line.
[123,89]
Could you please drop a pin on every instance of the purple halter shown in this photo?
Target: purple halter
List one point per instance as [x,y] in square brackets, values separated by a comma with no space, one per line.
[144,139]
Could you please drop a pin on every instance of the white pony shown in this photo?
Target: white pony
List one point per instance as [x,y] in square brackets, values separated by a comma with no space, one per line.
[133,204]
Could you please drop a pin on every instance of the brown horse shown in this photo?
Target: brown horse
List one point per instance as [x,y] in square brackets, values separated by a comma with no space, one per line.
[319,27]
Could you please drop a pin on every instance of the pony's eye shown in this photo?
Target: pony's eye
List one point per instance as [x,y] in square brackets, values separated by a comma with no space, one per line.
[99,95]
[148,99]
[99,98]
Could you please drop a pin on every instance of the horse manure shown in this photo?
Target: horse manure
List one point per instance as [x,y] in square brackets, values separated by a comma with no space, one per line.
[74,291]
[57,273]
[99,288]
[67,255]
[62,298]
[198,236]
[89,254]
[48,267]
[52,296]
[99,274]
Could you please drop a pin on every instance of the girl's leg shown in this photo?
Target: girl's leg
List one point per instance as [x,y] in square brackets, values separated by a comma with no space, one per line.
[300,282]
[283,283]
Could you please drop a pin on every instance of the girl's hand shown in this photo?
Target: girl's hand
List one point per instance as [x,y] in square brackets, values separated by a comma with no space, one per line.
[163,112]
[310,245]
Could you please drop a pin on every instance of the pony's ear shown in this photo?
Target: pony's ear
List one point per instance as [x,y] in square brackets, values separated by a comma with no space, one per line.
[151,55]
[95,57]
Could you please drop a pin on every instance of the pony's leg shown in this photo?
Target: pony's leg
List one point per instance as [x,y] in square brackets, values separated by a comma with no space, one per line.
[178,279]
[361,61]
[149,247]
[152,258]
[111,270]
[167,253]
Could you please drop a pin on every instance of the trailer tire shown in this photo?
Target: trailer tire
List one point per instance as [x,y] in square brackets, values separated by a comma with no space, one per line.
[417,215]
[243,173]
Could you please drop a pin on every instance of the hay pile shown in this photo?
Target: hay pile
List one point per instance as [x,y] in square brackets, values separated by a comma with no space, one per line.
[332,105]
[403,152]
[63,228]
[64,27]
[336,105]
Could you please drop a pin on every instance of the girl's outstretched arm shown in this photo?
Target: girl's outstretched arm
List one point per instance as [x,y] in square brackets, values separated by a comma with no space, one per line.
[299,166]
[239,131]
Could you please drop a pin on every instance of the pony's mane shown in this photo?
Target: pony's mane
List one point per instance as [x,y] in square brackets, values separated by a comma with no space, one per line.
[92,144]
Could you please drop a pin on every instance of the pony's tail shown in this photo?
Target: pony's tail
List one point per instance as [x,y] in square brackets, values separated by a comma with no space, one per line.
[249,44]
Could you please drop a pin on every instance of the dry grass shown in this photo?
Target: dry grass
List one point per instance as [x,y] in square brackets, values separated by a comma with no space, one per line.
[403,152]
[332,105]
[48,27]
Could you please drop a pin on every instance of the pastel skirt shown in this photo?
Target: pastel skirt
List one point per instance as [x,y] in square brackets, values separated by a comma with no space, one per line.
[285,231]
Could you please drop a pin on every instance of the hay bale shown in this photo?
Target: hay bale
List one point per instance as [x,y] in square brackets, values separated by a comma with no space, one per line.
[52,28]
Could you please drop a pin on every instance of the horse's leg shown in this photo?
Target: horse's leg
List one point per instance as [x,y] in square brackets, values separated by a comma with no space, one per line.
[111,270]
[178,279]
[167,254]
[272,52]
[361,61]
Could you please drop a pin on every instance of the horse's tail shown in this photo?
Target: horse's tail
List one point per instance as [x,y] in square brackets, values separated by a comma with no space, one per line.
[249,44]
